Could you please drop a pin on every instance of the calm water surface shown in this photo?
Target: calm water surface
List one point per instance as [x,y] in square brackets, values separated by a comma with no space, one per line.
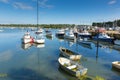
[39,62]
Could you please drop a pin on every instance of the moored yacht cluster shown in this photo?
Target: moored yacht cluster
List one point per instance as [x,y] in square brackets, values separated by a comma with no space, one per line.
[68,61]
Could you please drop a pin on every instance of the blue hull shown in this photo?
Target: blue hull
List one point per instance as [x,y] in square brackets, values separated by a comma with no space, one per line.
[60,35]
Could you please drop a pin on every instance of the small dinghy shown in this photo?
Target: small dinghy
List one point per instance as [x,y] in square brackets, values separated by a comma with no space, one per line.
[116,64]
[71,67]
[69,54]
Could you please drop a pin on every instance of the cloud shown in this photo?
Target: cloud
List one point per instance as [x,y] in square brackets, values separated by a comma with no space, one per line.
[4,1]
[43,4]
[23,6]
[112,2]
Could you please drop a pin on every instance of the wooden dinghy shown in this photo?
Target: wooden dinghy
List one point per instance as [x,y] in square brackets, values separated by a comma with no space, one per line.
[71,67]
[116,64]
[69,54]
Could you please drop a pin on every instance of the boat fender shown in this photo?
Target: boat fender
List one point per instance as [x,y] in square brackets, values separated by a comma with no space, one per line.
[75,57]
[32,39]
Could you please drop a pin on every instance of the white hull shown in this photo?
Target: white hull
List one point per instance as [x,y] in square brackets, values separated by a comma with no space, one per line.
[60,32]
[27,40]
[71,67]
[116,64]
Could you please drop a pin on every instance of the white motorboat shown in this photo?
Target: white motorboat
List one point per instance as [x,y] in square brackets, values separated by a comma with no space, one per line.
[27,38]
[84,34]
[39,39]
[69,35]
[60,33]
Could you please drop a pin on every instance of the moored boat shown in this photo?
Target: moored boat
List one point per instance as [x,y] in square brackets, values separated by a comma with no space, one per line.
[60,33]
[69,35]
[116,64]
[104,37]
[84,34]
[69,54]
[39,39]
[71,67]
[39,31]
[27,38]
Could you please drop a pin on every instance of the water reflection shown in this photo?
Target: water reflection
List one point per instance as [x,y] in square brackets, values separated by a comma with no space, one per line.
[50,37]
[97,51]
[69,42]
[39,45]
[26,74]
[86,45]
[65,74]
[26,46]
[60,38]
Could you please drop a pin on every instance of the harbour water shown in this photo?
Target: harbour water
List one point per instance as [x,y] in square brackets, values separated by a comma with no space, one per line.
[39,61]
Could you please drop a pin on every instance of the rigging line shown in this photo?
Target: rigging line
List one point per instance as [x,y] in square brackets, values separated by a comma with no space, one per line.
[37,13]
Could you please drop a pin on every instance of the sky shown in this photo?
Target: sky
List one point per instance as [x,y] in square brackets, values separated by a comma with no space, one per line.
[58,11]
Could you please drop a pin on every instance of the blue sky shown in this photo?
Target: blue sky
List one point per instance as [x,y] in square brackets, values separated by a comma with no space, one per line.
[59,11]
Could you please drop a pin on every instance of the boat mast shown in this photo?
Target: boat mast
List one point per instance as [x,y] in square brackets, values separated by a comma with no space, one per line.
[37,14]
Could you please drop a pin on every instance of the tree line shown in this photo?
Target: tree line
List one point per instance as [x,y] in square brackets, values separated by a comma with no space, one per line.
[39,25]
[115,23]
